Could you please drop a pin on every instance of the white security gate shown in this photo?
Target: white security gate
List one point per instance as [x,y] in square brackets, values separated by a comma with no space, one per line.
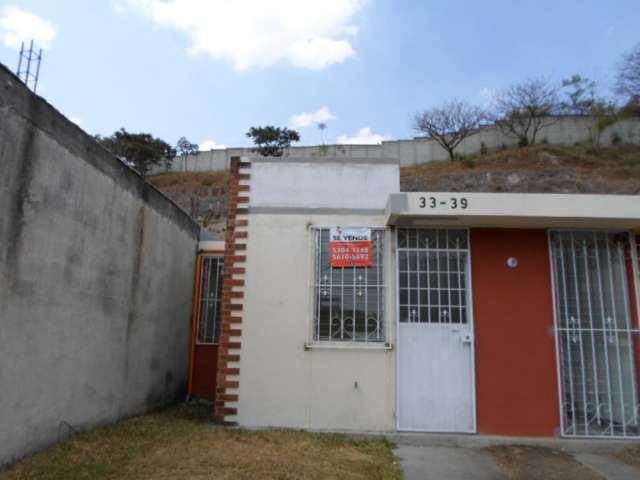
[596,332]
[436,383]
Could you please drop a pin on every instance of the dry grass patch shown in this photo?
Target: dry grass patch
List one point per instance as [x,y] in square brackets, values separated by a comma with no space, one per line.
[182,443]
[630,456]
[617,161]
[539,463]
[190,179]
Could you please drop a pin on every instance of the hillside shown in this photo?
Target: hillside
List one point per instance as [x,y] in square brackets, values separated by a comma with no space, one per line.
[539,168]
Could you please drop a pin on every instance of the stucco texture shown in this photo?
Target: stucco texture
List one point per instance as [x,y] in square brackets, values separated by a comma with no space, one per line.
[96,281]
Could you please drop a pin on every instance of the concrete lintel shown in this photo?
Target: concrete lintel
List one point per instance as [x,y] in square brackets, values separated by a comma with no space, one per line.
[320,160]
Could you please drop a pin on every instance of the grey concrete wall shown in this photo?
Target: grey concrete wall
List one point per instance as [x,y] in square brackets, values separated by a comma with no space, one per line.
[96,281]
[566,131]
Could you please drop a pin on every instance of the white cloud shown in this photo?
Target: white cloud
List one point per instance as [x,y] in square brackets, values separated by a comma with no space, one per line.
[17,26]
[207,145]
[305,119]
[365,136]
[310,34]
[77,120]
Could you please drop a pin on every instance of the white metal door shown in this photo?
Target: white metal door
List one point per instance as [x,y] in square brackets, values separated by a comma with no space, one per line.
[436,381]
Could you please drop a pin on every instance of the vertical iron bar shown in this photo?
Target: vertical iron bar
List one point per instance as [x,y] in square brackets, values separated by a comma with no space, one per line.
[378,285]
[627,317]
[353,313]
[459,284]
[35,83]
[214,317]
[428,281]
[366,297]
[342,303]
[603,314]
[593,341]
[330,291]
[438,278]
[20,60]
[448,274]
[583,379]
[29,64]
[567,332]
[615,320]
[418,275]
[318,286]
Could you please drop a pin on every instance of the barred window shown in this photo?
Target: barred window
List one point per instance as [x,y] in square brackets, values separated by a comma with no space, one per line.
[433,275]
[348,301]
[210,296]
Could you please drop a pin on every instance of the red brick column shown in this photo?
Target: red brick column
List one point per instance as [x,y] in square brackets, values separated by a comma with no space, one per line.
[232,293]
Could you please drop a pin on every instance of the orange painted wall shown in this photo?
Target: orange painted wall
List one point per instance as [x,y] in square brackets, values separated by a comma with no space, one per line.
[516,378]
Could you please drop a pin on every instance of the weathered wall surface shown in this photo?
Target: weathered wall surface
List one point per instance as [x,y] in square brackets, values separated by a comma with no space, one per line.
[96,281]
[565,131]
[284,378]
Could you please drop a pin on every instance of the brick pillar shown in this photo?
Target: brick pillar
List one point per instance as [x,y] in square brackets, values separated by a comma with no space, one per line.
[228,369]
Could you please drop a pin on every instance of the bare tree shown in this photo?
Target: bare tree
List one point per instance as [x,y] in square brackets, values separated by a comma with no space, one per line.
[525,108]
[628,77]
[449,124]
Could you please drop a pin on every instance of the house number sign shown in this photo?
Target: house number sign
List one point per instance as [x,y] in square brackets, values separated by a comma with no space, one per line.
[452,203]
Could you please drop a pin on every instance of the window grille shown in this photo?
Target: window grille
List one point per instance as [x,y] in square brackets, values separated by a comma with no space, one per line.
[596,333]
[432,275]
[210,299]
[349,301]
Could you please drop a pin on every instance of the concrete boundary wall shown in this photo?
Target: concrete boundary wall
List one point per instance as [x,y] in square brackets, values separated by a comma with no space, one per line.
[96,281]
[567,130]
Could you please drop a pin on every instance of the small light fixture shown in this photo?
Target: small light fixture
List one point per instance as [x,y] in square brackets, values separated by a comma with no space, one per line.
[512,262]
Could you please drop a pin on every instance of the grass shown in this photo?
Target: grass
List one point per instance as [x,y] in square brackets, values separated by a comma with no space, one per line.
[630,456]
[182,443]
[615,162]
[190,179]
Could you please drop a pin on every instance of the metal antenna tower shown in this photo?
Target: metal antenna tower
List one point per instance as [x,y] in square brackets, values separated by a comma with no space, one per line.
[29,66]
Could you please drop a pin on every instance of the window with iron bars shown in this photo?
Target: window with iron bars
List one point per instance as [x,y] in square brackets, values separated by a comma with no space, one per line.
[597,332]
[210,308]
[349,301]
[433,275]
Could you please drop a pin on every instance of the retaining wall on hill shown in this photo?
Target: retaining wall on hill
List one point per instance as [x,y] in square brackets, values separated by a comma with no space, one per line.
[96,281]
[565,131]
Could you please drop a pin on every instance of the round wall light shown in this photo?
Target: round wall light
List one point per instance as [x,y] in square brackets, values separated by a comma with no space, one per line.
[512,262]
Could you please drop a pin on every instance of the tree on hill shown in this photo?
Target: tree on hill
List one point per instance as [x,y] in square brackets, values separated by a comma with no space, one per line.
[271,141]
[138,150]
[184,148]
[449,124]
[628,77]
[579,95]
[525,108]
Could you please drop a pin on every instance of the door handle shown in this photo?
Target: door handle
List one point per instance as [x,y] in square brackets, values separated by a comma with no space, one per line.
[466,338]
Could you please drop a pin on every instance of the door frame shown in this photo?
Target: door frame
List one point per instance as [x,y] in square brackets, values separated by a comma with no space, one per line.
[470,320]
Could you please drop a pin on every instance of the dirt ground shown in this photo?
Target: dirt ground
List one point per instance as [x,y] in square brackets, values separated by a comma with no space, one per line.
[630,456]
[181,443]
[538,463]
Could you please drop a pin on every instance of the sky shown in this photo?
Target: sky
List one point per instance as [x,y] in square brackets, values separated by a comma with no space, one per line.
[210,69]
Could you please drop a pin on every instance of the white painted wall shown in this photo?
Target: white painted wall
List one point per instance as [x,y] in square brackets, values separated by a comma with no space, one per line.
[305,184]
[283,383]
